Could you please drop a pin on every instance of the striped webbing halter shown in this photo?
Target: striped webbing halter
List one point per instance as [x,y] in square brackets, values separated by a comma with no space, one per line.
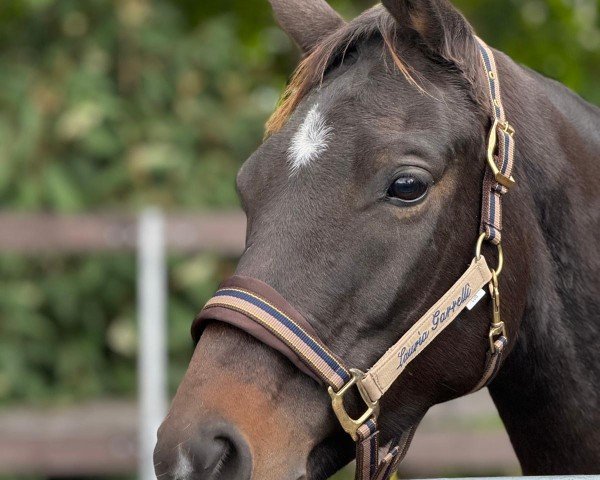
[255,307]
[500,153]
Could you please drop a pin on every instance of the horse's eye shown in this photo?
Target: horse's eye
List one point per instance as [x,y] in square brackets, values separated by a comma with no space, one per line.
[408,188]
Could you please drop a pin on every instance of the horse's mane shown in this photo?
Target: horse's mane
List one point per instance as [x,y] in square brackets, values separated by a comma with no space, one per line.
[311,70]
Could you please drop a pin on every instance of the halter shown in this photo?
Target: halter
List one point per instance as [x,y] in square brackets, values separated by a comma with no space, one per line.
[256,308]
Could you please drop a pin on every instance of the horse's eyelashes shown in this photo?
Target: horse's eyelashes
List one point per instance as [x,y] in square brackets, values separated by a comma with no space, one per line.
[350,57]
[344,58]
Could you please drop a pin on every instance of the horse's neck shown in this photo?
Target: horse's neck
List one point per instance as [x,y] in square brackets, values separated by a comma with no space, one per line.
[548,392]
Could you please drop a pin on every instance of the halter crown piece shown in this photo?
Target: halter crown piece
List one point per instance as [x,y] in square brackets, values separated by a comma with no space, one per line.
[256,308]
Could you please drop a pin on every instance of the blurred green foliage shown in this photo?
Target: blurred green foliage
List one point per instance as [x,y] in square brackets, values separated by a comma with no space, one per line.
[112,105]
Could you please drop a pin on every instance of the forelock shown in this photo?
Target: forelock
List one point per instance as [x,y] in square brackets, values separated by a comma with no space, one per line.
[375,22]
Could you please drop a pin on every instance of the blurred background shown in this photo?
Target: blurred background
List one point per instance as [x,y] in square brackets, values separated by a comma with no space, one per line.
[110,106]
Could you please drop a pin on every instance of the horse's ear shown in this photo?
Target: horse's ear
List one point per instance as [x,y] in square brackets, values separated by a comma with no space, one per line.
[307,22]
[441,28]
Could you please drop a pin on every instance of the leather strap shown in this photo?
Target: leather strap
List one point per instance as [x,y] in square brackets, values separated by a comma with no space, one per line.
[492,363]
[258,309]
[501,152]
[374,463]
[388,368]
[237,298]
[280,324]
[367,450]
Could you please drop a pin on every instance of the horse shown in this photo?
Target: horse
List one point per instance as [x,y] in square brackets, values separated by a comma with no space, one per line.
[363,206]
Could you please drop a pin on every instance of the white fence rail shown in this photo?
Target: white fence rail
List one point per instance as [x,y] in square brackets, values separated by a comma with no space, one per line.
[152,354]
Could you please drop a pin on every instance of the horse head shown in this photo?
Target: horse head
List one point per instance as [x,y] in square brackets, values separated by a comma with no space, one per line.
[363,207]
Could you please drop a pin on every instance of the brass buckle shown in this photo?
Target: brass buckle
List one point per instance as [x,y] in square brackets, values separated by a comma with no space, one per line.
[502,179]
[506,128]
[349,424]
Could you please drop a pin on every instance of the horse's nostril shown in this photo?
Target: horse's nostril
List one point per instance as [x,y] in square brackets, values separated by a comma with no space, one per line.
[211,455]
[220,453]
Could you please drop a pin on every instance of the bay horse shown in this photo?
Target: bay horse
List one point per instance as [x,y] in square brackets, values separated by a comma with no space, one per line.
[363,207]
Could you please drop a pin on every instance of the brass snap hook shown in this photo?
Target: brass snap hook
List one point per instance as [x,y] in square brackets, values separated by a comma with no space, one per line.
[497,328]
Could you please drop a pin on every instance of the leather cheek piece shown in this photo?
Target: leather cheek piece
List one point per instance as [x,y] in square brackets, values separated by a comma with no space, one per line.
[250,326]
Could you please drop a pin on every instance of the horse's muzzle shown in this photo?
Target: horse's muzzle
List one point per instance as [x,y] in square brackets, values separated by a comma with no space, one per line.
[241,412]
[216,452]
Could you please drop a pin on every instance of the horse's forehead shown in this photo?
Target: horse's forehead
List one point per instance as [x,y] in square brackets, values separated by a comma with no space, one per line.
[364,107]
[322,120]
[333,118]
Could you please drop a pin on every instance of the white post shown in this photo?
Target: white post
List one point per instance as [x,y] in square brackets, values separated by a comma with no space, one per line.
[152,349]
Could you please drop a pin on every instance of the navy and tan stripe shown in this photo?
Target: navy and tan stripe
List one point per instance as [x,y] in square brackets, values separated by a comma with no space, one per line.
[388,464]
[491,215]
[310,350]
[367,450]
[493,363]
[489,65]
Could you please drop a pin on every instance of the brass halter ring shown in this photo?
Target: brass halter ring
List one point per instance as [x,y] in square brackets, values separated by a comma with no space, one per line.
[500,253]
[349,424]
